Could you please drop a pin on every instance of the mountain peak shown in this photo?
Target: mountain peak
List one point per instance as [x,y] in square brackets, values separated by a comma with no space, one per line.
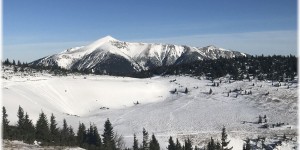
[108,38]
[100,42]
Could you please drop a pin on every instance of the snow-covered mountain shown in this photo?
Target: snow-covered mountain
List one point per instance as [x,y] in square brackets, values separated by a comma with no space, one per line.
[109,55]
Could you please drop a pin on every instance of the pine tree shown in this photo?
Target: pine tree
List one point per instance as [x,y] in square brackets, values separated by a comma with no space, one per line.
[97,137]
[20,124]
[224,141]
[108,136]
[64,134]
[19,63]
[171,145]
[14,63]
[135,143]
[71,137]
[154,145]
[7,62]
[29,130]
[211,145]
[210,91]
[42,129]
[54,132]
[186,91]
[145,140]
[259,119]
[5,124]
[188,144]
[81,135]
[247,146]
[178,145]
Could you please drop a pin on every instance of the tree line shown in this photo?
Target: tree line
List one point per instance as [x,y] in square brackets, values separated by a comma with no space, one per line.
[276,67]
[49,134]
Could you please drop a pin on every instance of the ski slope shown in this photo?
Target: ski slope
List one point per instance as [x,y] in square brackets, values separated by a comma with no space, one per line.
[195,114]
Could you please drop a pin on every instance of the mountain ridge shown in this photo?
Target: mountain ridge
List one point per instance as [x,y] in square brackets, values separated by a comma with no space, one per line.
[109,55]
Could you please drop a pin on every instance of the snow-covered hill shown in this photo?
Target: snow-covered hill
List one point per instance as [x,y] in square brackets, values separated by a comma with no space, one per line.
[195,114]
[109,55]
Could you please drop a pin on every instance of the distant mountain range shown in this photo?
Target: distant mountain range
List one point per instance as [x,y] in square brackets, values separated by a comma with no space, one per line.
[111,56]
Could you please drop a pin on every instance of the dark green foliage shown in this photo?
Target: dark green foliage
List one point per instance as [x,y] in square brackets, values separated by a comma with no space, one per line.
[178,145]
[108,136]
[188,144]
[5,124]
[259,119]
[71,137]
[224,141]
[135,143]
[210,91]
[6,62]
[247,146]
[29,133]
[54,132]
[20,124]
[42,129]
[145,143]
[171,145]
[154,145]
[262,67]
[186,91]
[81,135]
[212,145]
[93,138]
[64,133]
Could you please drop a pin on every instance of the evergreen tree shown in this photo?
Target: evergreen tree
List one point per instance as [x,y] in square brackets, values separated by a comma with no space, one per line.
[178,145]
[247,146]
[145,140]
[154,145]
[81,135]
[19,63]
[224,141]
[42,129]
[97,137]
[64,134]
[54,132]
[186,91]
[259,119]
[7,62]
[188,144]
[29,130]
[210,91]
[5,124]
[108,136]
[135,143]
[14,63]
[20,124]
[211,145]
[171,145]
[71,137]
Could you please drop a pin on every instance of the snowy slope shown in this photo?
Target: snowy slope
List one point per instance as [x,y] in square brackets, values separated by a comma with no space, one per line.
[197,115]
[100,54]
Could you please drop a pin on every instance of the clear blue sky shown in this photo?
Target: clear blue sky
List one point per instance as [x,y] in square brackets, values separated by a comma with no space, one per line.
[36,28]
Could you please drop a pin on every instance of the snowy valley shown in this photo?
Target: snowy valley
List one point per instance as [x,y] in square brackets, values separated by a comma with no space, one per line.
[179,106]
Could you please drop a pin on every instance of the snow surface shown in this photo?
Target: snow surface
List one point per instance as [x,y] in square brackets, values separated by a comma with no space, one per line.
[17,145]
[197,114]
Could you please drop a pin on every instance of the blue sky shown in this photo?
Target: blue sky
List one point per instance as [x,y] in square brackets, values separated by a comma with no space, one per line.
[36,28]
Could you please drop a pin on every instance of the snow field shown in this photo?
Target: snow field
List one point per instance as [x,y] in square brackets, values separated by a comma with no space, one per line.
[197,114]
